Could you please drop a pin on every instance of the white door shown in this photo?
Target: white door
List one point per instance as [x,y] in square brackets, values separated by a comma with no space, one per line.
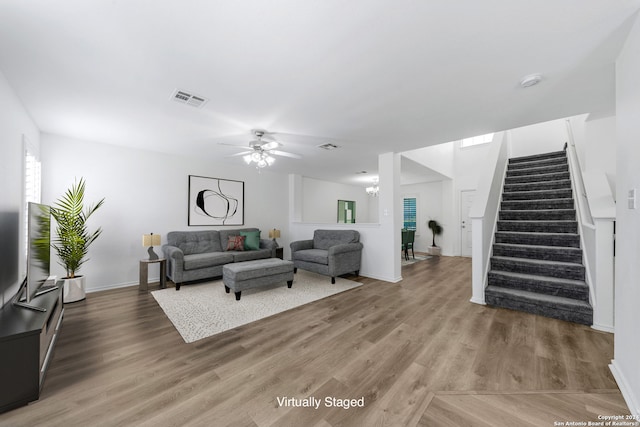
[466,201]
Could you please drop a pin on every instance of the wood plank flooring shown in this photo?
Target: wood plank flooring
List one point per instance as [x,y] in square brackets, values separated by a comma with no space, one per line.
[418,352]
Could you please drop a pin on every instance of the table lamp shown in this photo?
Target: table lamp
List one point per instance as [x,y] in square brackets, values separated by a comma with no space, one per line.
[151,240]
[274,234]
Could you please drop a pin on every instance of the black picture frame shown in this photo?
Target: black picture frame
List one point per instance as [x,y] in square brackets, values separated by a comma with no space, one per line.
[215,201]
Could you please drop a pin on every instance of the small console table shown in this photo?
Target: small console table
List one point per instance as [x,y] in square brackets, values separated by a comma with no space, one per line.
[144,273]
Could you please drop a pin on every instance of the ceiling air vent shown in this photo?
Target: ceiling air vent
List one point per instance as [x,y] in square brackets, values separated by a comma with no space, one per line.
[328,146]
[185,97]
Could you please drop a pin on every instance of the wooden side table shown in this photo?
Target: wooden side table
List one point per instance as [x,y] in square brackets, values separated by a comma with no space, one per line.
[144,273]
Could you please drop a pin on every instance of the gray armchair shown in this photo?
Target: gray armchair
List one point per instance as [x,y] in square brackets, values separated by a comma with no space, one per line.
[330,252]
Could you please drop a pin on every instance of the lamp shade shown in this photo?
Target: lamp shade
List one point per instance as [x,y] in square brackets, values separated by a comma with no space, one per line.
[274,234]
[151,240]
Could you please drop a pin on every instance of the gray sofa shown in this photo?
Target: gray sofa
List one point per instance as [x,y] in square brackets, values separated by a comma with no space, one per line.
[196,255]
[330,252]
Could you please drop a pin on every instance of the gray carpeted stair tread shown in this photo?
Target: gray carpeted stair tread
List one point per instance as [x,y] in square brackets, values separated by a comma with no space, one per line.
[542,252]
[539,238]
[540,177]
[558,184]
[538,170]
[537,214]
[545,268]
[532,195]
[536,261]
[537,163]
[555,226]
[545,305]
[519,205]
[568,288]
[533,157]
[557,280]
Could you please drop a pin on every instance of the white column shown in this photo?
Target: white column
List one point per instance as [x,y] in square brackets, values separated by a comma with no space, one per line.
[390,214]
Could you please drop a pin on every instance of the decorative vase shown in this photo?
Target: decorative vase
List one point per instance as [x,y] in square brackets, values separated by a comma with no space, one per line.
[73,289]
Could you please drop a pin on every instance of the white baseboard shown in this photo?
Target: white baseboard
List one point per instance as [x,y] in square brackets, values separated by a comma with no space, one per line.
[603,328]
[629,397]
[384,279]
[117,285]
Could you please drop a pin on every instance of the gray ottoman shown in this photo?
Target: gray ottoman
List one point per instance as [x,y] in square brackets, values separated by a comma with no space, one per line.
[239,276]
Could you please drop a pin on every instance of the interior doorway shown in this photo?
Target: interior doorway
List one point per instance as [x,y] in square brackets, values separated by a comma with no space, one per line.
[466,201]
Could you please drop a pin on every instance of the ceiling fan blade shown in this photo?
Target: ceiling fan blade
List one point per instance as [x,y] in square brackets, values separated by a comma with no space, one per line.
[240,154]
[243,146]
[286,154]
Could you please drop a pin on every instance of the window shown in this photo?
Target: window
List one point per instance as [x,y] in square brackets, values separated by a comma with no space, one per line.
[477,140]
[410,215]
[32,189]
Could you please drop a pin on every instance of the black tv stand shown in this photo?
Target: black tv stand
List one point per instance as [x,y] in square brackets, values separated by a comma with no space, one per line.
[29,306]
[27,341]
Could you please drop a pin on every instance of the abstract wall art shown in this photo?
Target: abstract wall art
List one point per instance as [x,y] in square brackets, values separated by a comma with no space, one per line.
[215,201]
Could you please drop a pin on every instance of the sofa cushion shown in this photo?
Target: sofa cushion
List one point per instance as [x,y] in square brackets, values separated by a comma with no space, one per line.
[250,255]
[210,259]
[251,240]
[195,242]
[324,239]
[318,256]
[235,243]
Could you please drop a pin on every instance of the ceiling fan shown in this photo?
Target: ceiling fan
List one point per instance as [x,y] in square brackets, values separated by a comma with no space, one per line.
[262,149]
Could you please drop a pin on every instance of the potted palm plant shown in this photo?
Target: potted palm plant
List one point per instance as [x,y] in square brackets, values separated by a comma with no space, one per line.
[436,230]
[73,238]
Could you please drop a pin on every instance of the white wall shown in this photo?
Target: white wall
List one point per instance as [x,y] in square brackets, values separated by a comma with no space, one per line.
[14,124]
[320,201]
[429,206]
[146,192]
[439,158]
[539,138]
[600,154]
[626,363]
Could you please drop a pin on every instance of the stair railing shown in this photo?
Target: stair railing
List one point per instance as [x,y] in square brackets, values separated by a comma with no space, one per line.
[596,236]
[484,215]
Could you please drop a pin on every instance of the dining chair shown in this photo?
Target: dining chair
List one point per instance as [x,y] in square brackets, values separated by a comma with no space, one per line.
[408,237]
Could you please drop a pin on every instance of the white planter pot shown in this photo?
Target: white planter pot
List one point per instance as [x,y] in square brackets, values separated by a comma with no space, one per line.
[73,289]
[435,250]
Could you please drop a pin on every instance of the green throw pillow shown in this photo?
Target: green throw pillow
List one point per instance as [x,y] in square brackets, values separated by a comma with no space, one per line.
[252,240]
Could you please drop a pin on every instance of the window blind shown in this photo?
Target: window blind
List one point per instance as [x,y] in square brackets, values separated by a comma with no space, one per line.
[410,214]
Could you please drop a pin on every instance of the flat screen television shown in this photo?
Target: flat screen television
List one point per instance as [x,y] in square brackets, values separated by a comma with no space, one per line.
[38,279]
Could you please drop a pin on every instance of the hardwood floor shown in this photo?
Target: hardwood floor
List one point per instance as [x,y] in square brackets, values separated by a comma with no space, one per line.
[418,352]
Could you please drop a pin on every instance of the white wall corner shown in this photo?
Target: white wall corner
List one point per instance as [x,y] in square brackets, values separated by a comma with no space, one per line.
[627,392]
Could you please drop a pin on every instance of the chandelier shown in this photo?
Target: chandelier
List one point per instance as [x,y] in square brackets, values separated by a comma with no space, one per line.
[374,189]
[260,158]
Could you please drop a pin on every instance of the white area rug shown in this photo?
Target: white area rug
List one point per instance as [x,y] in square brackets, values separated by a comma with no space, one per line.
[413,261]
[201,310]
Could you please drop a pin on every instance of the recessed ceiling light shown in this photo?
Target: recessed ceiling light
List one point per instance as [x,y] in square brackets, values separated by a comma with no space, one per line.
[530,80]
[328,146]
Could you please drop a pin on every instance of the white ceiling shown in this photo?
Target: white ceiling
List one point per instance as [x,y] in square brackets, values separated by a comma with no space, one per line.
[371,76]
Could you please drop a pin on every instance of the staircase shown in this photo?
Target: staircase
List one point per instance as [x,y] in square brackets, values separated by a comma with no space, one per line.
[536,265]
